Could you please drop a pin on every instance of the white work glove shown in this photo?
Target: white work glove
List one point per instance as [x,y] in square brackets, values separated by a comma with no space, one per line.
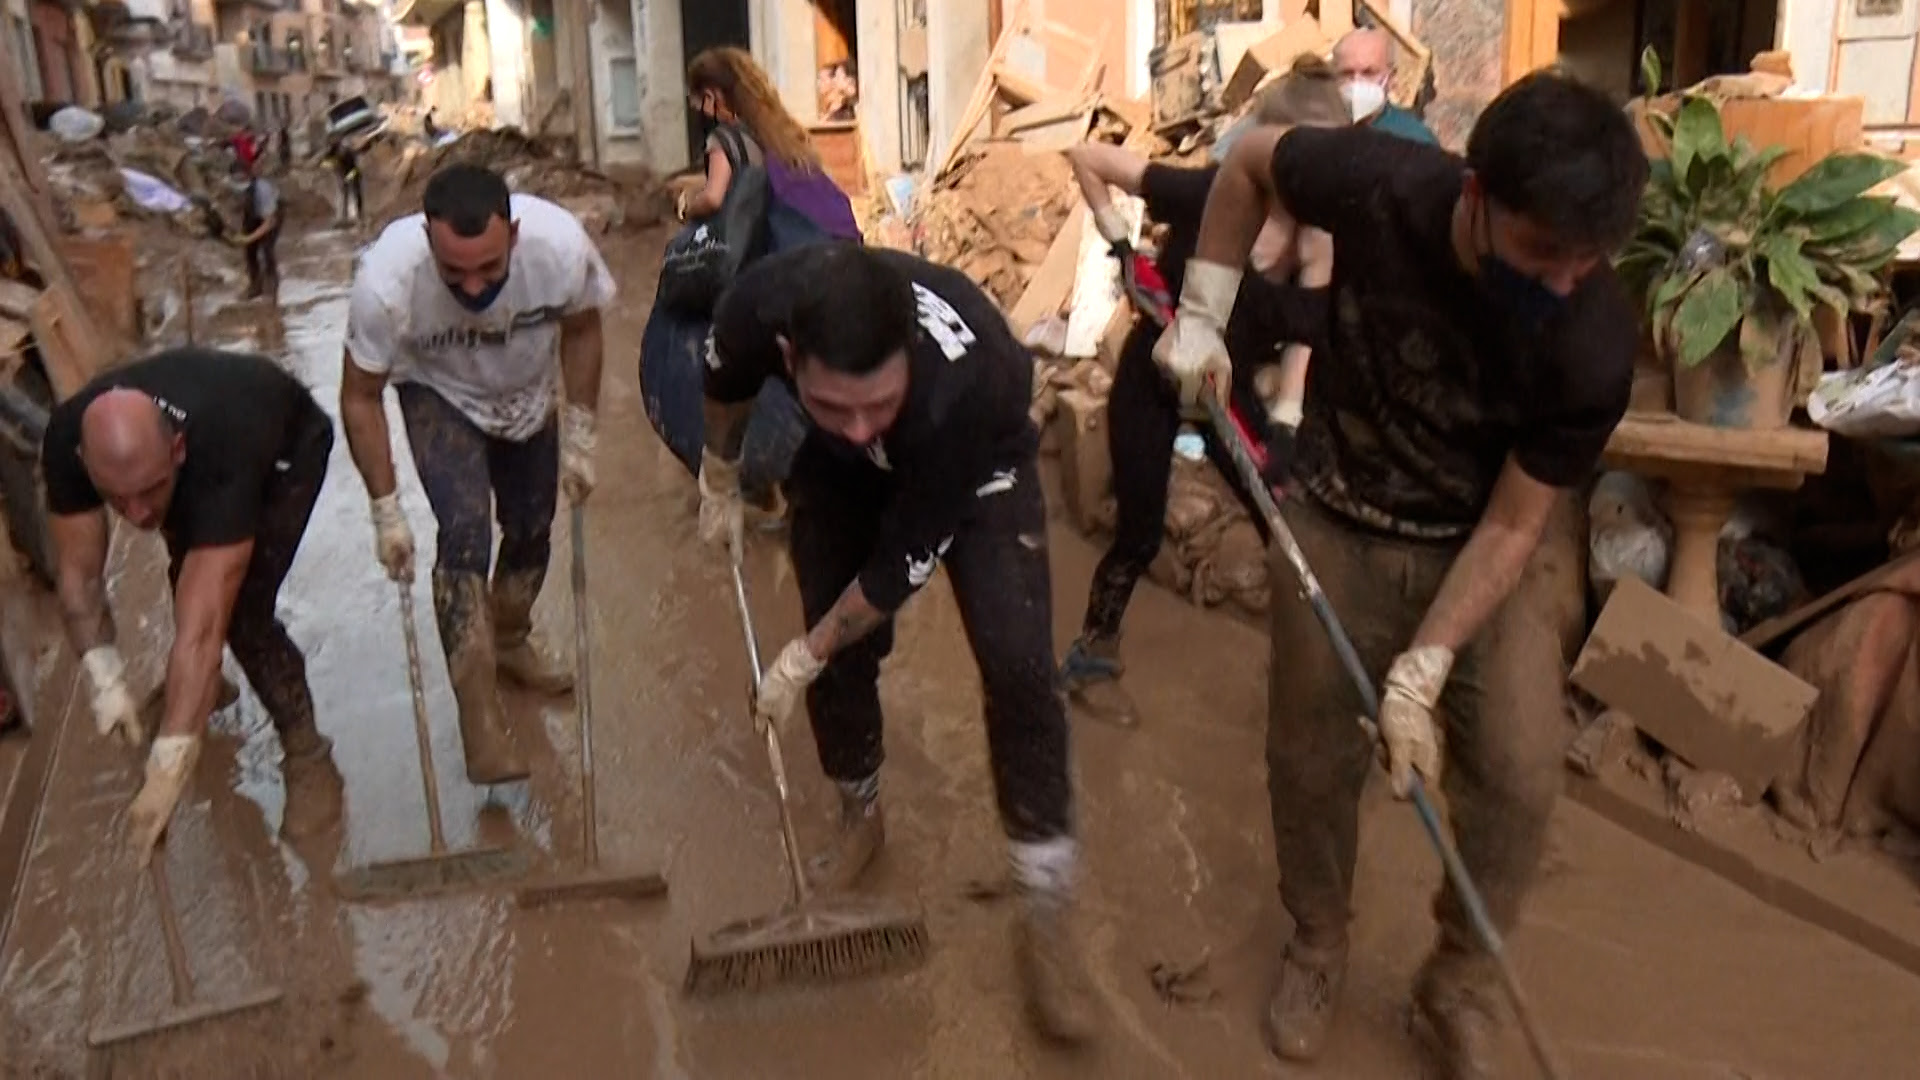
[783,684]
[114,710]
[169,770]
[680,202]
[576,452]
[392,537]
[1407,725]
[1193,351]
[722,513]
[1112,225]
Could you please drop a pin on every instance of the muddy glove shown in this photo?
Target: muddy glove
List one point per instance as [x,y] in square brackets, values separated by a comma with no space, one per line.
[1407,725]
[1285,417]
[722,513]
[680,202]
[576,452]
[783,684]
[169,770]
[114,710]
[1193,351]
[392,538]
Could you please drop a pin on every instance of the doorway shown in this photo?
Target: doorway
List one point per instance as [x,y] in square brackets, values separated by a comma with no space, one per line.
[705,24]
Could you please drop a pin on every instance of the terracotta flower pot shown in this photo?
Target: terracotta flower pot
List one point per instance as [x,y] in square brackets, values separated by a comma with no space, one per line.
[1721,391]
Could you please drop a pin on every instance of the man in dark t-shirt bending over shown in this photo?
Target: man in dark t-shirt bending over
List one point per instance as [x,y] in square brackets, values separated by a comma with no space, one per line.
[1479,353]
[224,454]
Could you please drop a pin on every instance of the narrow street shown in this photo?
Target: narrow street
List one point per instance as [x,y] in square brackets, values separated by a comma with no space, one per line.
[1642,965]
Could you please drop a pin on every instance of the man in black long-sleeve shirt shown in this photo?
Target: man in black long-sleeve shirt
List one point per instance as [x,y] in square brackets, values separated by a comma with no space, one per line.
[920,452]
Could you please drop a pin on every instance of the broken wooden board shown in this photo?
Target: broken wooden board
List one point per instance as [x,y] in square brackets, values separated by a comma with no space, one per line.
[1052,283]
[1182,72]
[1644,437]
[1096,286]
[1274,54]
[1772,630]
[65,341]
[1693,688]
[103,272]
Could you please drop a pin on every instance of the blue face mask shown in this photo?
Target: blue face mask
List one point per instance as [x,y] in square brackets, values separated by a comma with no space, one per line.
[482,301]
[1521,296]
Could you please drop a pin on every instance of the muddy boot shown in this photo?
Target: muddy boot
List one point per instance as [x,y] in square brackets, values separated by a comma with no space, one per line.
[1053,976]
[1453,1019]
[314,787]
[460,602]
[1091,675]
[856,843]
[516,657]
[1301,1012]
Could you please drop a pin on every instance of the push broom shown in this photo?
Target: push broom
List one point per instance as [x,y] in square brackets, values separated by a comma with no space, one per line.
[440,870]
[812,939]
[590,882]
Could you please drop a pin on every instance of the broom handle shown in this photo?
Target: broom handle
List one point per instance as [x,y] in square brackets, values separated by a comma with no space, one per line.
[583,688]
[422,734]
[1229,435]
[177,968]
[777,761]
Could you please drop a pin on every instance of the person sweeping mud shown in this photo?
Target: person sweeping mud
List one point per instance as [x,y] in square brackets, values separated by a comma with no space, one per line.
[1479,355]
[1282,305]
[920,452]
[462,307]
[223,453]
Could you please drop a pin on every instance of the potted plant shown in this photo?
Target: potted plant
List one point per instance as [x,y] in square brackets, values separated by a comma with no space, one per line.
[1732,272]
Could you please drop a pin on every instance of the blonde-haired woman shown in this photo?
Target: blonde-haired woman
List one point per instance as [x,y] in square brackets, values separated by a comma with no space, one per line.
[726,87]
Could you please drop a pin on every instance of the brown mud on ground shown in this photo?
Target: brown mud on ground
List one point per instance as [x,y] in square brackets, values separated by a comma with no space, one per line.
[1642,965]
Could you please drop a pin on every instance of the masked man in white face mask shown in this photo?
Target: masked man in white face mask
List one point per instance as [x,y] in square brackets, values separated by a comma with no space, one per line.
[1364,61]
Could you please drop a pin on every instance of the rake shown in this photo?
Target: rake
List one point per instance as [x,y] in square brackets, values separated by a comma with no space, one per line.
[811,939]
[590,882]
[440,870]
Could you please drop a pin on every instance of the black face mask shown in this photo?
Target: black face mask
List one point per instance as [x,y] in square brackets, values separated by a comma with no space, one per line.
[1522,297]
[486,297]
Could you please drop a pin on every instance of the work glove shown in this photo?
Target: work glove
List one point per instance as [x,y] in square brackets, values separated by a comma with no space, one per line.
[1193,351]
[722,512]
[783,684]
[680,202]
[169,770]
[392,537]
[1407,727]
[114,710]
[1285,418]
[576,452]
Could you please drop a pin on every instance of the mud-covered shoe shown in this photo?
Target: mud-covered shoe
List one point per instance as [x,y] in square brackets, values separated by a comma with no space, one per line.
[315,791]
[529,667]
[1053,975]
[459,604]
[856,843]
[1090,674]
[516,658]
[1301,1012]
[1453,1027]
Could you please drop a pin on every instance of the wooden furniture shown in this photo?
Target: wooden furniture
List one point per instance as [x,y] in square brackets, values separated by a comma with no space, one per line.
[1706,469]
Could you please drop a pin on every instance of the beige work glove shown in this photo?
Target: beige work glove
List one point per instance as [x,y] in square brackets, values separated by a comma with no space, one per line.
[1407,726]
[392,537]
[783,684]
[680,202]
[1193,351]
[1112,225]
[169,771]
[114,710]
[722,511]
[576,452]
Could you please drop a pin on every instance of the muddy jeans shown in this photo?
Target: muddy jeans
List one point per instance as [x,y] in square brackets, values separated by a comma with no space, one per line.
[1143,418]
[470,476]
[272,662]
[998,567]
[1505,730]
[263,265]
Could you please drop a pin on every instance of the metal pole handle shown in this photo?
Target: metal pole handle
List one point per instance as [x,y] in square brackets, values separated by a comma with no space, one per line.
[422,733]
[583,687]
[775,759]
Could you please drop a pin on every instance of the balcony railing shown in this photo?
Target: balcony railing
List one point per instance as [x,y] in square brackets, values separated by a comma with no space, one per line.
[262,60]
[192,41]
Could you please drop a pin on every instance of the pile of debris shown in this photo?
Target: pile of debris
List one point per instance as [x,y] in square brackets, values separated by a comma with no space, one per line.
[535,166]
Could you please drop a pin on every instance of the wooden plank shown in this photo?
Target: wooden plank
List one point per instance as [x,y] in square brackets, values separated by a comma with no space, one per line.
[61,330]
[981,100]
[1772,630]
[1050,285]
[1665,437]
[1336,17]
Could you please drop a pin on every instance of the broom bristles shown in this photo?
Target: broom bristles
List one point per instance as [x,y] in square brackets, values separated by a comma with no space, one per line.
[822,958]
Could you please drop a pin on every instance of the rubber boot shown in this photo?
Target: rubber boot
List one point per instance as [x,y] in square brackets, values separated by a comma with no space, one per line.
[1091,676]
[1453,1019]
[1301,1012]
[516,657]
[1053,976]
[459,600]
[315,790]
[856,842]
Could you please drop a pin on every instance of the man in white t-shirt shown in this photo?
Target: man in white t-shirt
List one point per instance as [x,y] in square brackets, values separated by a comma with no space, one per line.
[463,308]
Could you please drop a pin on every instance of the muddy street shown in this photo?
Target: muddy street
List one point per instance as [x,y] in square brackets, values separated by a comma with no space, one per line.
[1642,965]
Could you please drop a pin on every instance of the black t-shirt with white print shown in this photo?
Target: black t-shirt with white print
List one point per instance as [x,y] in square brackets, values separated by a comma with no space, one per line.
[1424,387]
[241,415]
[964,425]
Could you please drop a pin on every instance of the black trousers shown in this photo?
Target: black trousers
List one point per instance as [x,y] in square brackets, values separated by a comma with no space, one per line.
[352,199]
[260,643]
[1143,418]
[998,567]
[470,476]
[263,263]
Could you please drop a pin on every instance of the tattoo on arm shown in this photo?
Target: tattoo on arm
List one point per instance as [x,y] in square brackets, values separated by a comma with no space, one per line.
[850,619]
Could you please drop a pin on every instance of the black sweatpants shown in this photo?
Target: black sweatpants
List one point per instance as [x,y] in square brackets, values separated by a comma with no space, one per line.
[998,567]
[260,643]
[1143,418]
[263,262]
[470,476]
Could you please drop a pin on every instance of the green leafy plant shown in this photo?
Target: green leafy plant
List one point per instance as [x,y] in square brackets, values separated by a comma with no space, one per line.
[1718,256]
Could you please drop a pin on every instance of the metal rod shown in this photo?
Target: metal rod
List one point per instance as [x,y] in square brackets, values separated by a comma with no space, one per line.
[583,688]
[179,973]
[421,732]
[788,837]
[1457,874]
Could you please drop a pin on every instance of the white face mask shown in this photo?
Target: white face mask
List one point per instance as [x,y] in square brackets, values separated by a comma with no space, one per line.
[1364,97]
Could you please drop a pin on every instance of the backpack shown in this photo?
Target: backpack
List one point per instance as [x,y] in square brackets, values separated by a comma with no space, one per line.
[704,258]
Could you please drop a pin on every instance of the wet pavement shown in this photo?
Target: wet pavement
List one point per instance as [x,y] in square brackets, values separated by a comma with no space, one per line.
[1641,964]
